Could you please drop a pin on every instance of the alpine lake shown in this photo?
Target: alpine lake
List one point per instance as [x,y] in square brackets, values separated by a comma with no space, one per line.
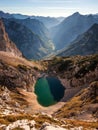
[49,91]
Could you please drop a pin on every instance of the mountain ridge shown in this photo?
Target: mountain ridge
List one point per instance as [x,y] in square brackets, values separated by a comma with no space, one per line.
[85,44]
[70,28]
[47,21]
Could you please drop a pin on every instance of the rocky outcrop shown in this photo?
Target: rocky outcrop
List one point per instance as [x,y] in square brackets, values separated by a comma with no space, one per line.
[25,124]
[13,77]
[6,44]
[47,126]
[22,124]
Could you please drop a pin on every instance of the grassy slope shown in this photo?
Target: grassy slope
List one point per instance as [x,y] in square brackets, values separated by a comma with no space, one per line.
[83,105]
[79,72]
[17,79]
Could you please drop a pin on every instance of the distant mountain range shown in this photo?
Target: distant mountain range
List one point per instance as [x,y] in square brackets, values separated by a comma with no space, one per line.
[68,30]
[47,21]
[5,15]
[85,44]
[37,36]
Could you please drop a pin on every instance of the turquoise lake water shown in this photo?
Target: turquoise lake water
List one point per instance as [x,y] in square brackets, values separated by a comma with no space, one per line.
[49,91]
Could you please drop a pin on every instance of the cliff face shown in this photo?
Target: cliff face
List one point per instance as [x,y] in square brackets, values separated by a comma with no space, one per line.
[17,80]
[6,44]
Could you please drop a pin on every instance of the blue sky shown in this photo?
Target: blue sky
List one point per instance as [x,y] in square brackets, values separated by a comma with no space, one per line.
[49,7]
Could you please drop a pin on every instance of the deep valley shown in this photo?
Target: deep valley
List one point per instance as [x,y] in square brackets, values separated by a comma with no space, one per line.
[45,85]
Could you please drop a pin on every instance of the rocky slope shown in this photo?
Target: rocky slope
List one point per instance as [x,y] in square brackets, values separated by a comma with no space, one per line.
[5,43]
[70,28]
[17,79]
[78,74]
[84,105]
[43,121]
[85,44]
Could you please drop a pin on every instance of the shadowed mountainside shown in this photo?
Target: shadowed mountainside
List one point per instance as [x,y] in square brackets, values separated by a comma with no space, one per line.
[39,29]
[68,30]
[6,44]
[29,43]
[85,44]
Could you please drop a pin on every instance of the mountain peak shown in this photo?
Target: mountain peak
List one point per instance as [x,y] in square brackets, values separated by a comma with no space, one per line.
[76,14]
[1,12]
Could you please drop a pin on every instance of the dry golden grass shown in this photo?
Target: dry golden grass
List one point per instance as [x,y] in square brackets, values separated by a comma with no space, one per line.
[70,109]
[86,101]
[16,97]
[40,119]
[86,125]
[17,128]
[12,118]
[31,100]
[15,61]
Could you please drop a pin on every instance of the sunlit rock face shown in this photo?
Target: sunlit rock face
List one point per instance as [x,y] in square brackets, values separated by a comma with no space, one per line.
[5,43]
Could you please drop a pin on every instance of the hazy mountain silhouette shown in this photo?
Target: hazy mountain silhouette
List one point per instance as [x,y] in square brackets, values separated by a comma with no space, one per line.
[70,28]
